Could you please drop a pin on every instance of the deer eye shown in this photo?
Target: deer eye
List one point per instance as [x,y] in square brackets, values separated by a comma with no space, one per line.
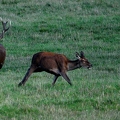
[84,61]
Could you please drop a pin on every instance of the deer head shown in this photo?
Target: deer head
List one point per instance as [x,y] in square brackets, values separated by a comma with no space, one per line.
[83,61]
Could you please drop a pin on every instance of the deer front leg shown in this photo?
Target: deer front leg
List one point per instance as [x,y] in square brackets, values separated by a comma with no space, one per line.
[54,80]
[27,75]
[64,75]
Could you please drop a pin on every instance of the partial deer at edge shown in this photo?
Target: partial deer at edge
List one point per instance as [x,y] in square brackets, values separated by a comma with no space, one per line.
[2,48]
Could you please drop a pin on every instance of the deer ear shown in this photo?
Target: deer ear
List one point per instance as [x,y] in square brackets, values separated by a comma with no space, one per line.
[82,54]
[77,55]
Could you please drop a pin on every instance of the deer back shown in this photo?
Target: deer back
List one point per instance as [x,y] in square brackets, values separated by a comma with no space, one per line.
[48,60]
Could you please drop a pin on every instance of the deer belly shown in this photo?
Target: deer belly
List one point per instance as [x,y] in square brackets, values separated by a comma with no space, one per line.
[54,70]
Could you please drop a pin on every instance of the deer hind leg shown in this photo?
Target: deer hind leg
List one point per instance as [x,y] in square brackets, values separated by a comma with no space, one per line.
[64,75]
[27,75]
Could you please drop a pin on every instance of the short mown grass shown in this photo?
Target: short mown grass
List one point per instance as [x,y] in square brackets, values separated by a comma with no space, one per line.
[63,27]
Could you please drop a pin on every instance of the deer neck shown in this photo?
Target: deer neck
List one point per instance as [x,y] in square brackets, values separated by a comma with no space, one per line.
[73,65]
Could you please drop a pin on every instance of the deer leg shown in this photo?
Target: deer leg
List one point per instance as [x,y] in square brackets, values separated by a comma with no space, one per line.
[54,80]
[27,75]
[1,66]
[64,75]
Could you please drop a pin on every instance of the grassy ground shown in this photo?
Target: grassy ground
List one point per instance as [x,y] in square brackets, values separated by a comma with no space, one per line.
[63,26]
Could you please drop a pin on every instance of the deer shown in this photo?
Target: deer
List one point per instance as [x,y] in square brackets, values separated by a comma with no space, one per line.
[2,48]
[56,64]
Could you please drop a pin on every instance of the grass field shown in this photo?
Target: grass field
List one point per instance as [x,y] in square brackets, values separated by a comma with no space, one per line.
[61,26]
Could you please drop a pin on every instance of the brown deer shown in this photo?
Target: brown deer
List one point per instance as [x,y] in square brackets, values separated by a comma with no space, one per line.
[56,64]
[2,49]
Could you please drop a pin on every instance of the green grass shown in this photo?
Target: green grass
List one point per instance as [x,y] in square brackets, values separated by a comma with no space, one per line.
[64,26]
